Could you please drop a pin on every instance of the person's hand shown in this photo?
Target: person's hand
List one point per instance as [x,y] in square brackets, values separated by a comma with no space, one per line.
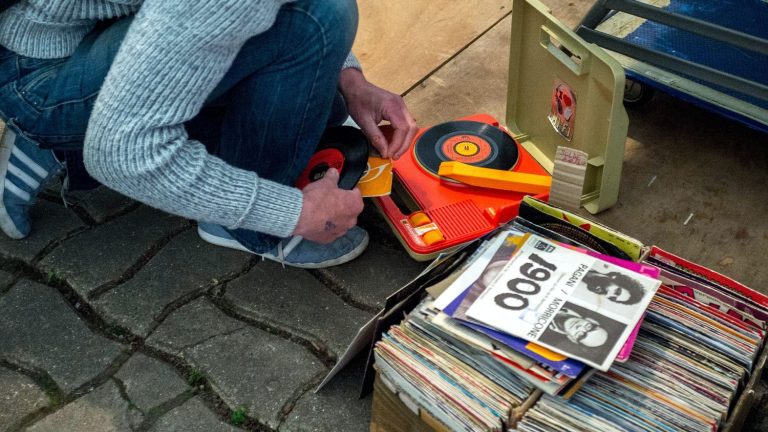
[369,105]
[328,212]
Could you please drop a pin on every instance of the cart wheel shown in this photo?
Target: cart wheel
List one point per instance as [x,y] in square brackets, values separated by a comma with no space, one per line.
[636,94]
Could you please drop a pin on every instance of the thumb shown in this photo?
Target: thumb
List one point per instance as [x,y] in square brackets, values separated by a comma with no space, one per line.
[332,175]
[372,131]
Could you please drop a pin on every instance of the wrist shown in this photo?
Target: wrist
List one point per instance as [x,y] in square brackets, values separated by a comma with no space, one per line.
[351,80]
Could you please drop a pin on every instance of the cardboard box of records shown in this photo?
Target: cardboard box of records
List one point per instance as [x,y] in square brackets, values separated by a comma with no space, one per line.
[691,362]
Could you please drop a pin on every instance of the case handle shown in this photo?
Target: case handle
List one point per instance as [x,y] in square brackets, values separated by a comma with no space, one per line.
[569,52]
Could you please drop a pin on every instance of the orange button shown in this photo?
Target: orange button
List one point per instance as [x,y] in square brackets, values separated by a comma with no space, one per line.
[432,237]
[418,219]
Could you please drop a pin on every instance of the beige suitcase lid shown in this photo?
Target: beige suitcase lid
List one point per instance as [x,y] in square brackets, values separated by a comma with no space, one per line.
[567,98]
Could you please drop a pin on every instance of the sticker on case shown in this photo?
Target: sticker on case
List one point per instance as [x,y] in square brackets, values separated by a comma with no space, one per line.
[562,112]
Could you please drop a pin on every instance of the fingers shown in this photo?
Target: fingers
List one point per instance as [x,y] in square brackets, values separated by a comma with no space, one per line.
[351,205]
[359,194]
[327,211]
[336,221]
[405,127]
[369,104]
[378,141]
[329,180]
[413,129]
[332,175]
[401,139]
[356,201]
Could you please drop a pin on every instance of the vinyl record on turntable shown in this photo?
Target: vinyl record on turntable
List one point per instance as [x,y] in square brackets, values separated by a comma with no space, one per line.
[342,147]
[470,142]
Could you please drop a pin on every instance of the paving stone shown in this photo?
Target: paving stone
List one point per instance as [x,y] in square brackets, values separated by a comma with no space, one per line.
[757,420]
[53,187]
[102,410]
[193,416]
[101,203]
[150,382]
[49,222]
[5,280]
[190,325]
[377,273]
[39,330]
[337,407]
[185,265]
[104,253]
[255,370]
[295,301]
[19,396]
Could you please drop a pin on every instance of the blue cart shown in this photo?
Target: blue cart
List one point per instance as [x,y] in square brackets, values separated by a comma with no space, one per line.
[712,53]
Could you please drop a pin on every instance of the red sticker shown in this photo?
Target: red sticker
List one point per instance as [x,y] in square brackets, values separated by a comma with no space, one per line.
[319,164]
[562,112]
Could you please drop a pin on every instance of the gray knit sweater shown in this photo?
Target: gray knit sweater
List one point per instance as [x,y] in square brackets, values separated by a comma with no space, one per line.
[173,56]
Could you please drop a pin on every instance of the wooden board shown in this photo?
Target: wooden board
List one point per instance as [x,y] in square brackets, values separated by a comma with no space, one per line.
[474,82]
[569,12]
[399,42]
[622,24]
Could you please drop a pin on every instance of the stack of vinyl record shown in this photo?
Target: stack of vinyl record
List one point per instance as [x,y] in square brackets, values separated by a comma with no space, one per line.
[686,362]
[689,361]
[460,385]
[695,350]
[471,376]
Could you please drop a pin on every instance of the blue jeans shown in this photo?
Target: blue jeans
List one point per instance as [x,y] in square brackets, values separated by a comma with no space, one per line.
[266,115]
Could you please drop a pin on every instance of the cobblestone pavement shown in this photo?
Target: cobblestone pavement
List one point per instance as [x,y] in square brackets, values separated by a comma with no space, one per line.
[117,317]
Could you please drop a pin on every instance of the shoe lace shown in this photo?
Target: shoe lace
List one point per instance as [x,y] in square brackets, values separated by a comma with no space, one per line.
[280,254]
[64,189]
[284,251]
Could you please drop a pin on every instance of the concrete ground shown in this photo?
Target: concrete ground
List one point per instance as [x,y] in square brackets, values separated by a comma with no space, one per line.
[116,317]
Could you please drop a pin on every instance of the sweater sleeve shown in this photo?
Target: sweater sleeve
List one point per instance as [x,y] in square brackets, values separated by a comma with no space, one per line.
[351,62]
[172,57]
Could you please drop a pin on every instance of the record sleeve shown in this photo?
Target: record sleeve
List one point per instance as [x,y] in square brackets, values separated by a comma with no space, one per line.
[564,300]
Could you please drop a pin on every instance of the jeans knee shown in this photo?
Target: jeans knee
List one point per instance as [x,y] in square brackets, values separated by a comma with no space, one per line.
[343,27]
[336,19]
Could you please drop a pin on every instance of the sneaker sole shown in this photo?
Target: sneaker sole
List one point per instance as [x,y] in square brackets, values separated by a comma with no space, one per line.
[6,223]
[234,244]
[349,256]
[218,241]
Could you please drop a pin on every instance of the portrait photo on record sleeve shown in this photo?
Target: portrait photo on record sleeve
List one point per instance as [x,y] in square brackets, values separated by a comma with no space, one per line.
[579,330]
[611,291]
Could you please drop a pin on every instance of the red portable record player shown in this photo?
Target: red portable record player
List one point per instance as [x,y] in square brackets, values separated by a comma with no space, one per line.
[432,214]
